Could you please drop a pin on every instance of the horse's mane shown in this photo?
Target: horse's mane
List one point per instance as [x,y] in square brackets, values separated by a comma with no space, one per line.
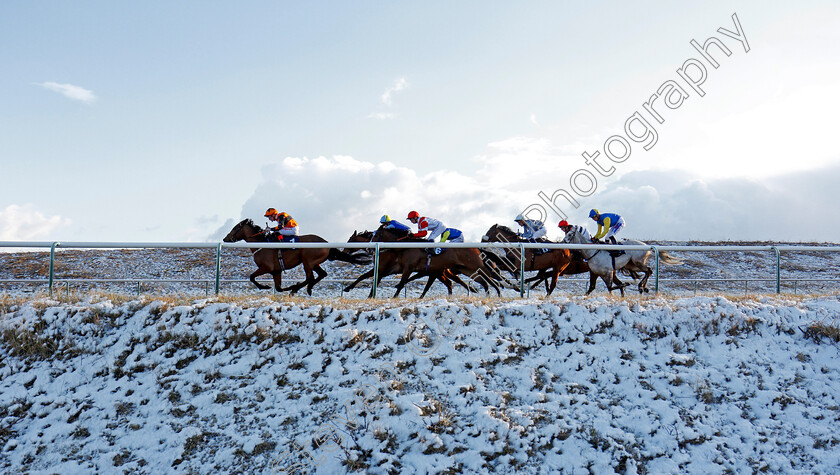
[250,222]
[398,233]
[505,229]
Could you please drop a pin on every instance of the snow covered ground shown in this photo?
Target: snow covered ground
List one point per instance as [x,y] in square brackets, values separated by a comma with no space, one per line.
[199,266]
[276,385]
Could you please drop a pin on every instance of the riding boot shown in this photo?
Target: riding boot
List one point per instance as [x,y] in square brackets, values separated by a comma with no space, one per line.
[614,253]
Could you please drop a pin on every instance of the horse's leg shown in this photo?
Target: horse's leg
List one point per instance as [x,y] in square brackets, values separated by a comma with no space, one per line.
[257,273]
[486,280]
[404,280]
[458,280]
[321,274]
[378,280]
[366,275]
[307,270]
[593,281]
[643,283]
[550,288]
[611,285]
[618,281]
[445,281]
[432,278]
[608,279]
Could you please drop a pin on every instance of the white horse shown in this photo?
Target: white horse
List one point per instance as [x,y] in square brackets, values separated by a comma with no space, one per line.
[603,264]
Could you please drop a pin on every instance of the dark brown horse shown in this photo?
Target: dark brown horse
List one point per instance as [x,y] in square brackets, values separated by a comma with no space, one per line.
[389,265]
[270,261]
[553,262]
[577,265]
[458,261]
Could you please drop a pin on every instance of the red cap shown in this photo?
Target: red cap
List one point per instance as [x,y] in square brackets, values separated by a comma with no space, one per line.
[563,223]
[413,214]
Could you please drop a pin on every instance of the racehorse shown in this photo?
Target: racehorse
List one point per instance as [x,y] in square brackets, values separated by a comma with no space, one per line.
[554,262]
[269,261]
[388,265]
[458,260]
[602,263]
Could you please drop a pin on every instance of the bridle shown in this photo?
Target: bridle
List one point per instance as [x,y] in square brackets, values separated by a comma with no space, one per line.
[238,228]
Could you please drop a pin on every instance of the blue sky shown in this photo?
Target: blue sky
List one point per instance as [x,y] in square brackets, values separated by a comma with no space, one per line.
[169,121]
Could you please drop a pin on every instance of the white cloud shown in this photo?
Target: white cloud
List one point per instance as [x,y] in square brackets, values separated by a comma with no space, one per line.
[679,205]
[399,85]
[381,115]
[24,223]
[70,91]
[332,197]
[387,100]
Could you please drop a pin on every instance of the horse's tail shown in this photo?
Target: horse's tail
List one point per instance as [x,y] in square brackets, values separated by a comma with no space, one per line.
[666,258]
[630,273]
[502,262]
[336,255]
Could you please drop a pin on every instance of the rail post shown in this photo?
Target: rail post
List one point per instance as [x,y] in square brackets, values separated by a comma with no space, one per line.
[778,269]
[52,266]
[375,270]
[218,265]
[656,275]
[521,270]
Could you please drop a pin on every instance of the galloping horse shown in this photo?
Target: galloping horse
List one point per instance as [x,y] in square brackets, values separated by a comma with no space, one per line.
[459,261]
[555,261]
[604,265]
[388,265]
[269,261]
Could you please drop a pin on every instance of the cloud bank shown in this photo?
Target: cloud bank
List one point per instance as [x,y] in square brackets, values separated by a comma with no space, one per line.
[334,196]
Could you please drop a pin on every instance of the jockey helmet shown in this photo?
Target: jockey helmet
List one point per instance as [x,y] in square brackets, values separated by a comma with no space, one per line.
[385,219]
[563,224]
[413,214]
[594,213]
[519,217]
[270,212]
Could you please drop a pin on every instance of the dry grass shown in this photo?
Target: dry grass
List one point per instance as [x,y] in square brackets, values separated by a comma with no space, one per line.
[819,331]
[29,344]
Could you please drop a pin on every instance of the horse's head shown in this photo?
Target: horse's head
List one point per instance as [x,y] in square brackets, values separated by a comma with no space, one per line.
[243,231]
[575,237]
[364,236]
[499,233]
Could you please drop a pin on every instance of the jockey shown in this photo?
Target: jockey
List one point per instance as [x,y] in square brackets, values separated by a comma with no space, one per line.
[389,223]
[608,225]
[567,228]
[534,229]
[433,228]
[287,227]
